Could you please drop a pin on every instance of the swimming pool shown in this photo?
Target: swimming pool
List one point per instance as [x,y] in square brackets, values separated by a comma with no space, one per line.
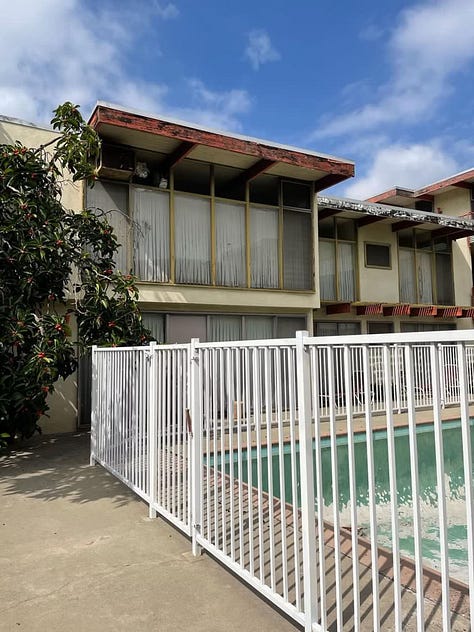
[454,476]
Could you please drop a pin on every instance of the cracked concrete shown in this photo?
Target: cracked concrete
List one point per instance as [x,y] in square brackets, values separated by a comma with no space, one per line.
[78,553]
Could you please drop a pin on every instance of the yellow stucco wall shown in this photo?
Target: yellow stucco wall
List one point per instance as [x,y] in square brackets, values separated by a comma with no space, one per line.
[375,284]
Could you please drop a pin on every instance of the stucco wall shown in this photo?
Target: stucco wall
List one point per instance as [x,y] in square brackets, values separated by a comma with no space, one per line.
[375,284]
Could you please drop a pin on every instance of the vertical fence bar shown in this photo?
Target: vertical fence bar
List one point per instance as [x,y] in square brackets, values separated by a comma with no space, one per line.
[467,463]
[303,371]
[95,420]
[196,445]
[392,472]
[415,487]
[352,484]
[152,434]
[443,523]
[367,396]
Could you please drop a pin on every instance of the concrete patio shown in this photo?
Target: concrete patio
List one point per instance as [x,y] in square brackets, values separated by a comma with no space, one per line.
[78,553]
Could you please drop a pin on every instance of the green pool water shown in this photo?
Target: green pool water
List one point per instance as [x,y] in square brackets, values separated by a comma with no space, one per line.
[454,484]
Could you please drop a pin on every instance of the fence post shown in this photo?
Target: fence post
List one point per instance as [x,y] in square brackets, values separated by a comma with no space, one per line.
[94,398]
[152,429]
[303,375]
[196,447]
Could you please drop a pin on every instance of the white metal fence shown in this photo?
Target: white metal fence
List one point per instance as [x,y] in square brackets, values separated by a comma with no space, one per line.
[239,445]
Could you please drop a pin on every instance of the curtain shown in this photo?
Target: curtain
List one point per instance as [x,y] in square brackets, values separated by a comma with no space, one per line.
[156,324]
[297,251]
[112,198]
[287,326]
[192,239]
[423,273]
[258,327]
[327,270]
[230,245]
[264,247]
[407,276]
[444,280]
[222,328]
[345,271]
[152,235]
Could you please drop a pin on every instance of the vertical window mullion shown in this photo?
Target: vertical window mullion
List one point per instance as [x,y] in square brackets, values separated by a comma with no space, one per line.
[172,230]
[213,228]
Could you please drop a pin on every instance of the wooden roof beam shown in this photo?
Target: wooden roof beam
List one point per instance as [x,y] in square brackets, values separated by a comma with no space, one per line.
[183,150]
[328,212]
[401,225]
[369,219]
[328,181]
[255,170]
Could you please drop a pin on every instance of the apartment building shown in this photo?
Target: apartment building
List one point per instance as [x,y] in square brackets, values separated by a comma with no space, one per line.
[219,229]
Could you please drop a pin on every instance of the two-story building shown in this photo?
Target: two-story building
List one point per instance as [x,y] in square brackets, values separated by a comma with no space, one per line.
[220,229]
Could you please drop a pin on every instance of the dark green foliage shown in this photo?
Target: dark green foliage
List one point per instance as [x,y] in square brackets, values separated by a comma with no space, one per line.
[54,264]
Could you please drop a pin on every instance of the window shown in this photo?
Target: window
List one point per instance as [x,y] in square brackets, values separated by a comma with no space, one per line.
[380,328]
[179,328]
[425,268]
[337,250]
[377,256]
[189,235]
[335,328]
[151,214]
[112,199]
[192,217]
[416,327]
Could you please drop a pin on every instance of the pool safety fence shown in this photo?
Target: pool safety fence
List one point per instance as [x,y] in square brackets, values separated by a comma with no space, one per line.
[225,441]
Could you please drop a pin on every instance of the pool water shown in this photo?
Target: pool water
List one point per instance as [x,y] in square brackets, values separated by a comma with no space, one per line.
[454,485]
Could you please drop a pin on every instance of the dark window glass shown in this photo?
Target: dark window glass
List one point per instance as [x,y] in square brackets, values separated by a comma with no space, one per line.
[377,255]
[192,177]
[327,228]
[264,190]
[346,229]
[296,194]
[406,238]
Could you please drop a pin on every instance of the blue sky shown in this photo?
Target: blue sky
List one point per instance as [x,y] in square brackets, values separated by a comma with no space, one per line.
[387,84]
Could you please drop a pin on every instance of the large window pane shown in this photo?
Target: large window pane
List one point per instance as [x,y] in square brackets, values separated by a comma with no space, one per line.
[407,276]
[423,273]
[264,247]
[112,198]
[287,326]
[258,327]
[345,272]
[156,324]
[297,251]
[444,280]
[230,245]
[183,327]
[327,270]
[152,235]
[222,328]
[192,239]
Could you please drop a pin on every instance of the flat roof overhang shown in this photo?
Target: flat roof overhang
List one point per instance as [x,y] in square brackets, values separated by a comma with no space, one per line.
[408,197]
[365,213]
[178,140]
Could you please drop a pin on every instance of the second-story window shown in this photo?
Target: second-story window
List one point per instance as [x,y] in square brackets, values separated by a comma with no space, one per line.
[337,259]
[425,264]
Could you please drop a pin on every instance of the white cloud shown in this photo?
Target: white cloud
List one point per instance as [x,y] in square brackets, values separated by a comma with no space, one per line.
[167,11]
[58,50]
[408,166]
[432,42]
[260,49]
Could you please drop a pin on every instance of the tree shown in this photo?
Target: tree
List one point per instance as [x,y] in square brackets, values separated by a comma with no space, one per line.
[54,264]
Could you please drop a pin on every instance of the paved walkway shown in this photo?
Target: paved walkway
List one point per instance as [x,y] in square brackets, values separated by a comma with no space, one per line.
[78,554]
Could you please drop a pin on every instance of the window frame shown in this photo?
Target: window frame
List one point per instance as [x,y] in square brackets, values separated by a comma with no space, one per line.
[336,240]
[378,244]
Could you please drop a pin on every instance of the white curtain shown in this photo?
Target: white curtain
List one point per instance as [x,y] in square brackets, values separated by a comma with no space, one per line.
[425,281]
[297,251]
[152,235]
[192,239]
[327,270]
[258,327]
[264,247]
[112,198]
[407,276]
[156,324]
[345,271]
[222,328]
[230,245]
